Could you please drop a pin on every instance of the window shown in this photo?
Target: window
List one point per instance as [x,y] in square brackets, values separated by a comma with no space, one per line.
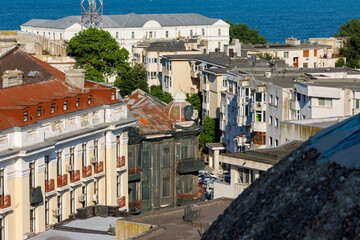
[2,229]
[219,32]
[84,193]
[276,122]
[260,116]
[306,53]
[298,114]
[276,101]
[315,53]
[32,220]
[39,111]
[96,149]
[271,99]
[117,35]
[52,108]
[83,156]
[205,96]
[59,208]
[276,142]
[305,65]
[219,45]
[270,141]
[89,99]
[46,167]
[259,138]
[203,31]
[32,175]
[26,116]
[58,164]
[118,186]
[166,157]
[132,35]
[286,54]
[204,78]
[96,187]
[166,187]
[168,65]
[166,34]
[60,36]
[357,103]
[304,98]
[298,95]
[77,102]
[47,218]
[145,190]
[152,75]
[72,155]
[150,34]
[191,33]
[224,81]
[72,201]
[112,96]
[270,120]
[324,102]
[65,106]
[118,146]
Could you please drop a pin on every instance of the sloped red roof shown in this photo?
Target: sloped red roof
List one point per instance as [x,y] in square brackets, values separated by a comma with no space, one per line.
[147,108]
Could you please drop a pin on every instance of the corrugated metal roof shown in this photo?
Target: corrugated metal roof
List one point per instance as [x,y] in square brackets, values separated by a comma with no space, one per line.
[147,108]
[131,20]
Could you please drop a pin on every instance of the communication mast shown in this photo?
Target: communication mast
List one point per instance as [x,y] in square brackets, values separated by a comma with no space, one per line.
[91,14]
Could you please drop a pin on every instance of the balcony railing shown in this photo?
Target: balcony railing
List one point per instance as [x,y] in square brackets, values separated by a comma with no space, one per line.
[99,167]
[135,170]
[120,162]
[49,185]
[75,176]
[121,202]
[189,165]
[62,181]
[5,201]
[134,204]
[87,171]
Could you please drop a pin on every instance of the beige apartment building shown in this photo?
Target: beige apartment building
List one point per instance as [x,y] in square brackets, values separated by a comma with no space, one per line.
[63,145]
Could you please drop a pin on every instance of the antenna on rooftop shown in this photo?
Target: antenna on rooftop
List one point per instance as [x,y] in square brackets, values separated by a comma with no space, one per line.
[91,14]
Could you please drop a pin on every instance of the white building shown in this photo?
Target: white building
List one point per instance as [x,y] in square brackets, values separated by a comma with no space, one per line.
[130,28]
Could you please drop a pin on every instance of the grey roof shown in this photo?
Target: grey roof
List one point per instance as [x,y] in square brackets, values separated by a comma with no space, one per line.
[283,46]
[131,20]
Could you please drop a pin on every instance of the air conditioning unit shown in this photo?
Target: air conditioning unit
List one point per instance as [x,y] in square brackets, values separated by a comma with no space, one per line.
[93,160]
[82,197]
[95,198]
[57,212]
[70,168]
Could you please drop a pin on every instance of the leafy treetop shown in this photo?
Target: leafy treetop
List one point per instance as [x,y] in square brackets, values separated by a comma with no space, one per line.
[99,54]
[132,79]
[157,92]
[348,29]
[245,34]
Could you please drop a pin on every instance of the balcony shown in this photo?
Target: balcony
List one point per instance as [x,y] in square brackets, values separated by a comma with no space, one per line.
[120,164]
[99,169]
[49,186]
[134,174]
[258,106]
[187,198]
[189,165]
[121,202]
[87,173]
[258,126]
[134,206]
[5,204]
[222,107]
[75,178]
[62,182]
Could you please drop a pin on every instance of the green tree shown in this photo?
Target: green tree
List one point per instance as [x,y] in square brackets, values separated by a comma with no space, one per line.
[209,131]
[132,79]
[195,100]
[351,48]
[340,63]
[348,29]
[157,92]
[245,34]
[266,56]
[99,54]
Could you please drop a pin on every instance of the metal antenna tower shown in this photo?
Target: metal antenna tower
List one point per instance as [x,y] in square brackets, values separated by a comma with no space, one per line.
[91,14]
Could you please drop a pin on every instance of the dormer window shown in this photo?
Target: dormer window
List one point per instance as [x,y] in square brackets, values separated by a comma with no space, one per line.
[89,99]
[53,108]
[39,111]
[26,116]
[65,106]
[112,96]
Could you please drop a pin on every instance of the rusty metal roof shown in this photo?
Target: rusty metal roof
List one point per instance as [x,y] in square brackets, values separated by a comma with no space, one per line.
[150,112]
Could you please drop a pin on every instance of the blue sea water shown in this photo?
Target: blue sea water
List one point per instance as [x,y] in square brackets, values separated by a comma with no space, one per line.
[275,19]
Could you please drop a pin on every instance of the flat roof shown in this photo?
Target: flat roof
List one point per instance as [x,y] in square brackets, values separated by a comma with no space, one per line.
[266,155]
[171,224]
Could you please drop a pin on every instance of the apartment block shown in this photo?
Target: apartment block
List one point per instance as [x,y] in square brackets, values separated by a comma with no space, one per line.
[63,145]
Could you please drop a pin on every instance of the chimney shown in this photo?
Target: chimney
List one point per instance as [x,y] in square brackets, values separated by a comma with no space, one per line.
[75,77]
[12,78]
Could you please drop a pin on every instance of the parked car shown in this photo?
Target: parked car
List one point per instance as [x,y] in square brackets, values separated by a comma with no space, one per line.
[207,174]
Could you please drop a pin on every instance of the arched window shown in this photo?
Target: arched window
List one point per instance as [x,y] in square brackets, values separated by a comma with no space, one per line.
[65,106]
[53,108]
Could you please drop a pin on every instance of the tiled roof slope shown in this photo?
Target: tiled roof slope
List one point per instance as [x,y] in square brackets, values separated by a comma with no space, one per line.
[150,112]
[131,20]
